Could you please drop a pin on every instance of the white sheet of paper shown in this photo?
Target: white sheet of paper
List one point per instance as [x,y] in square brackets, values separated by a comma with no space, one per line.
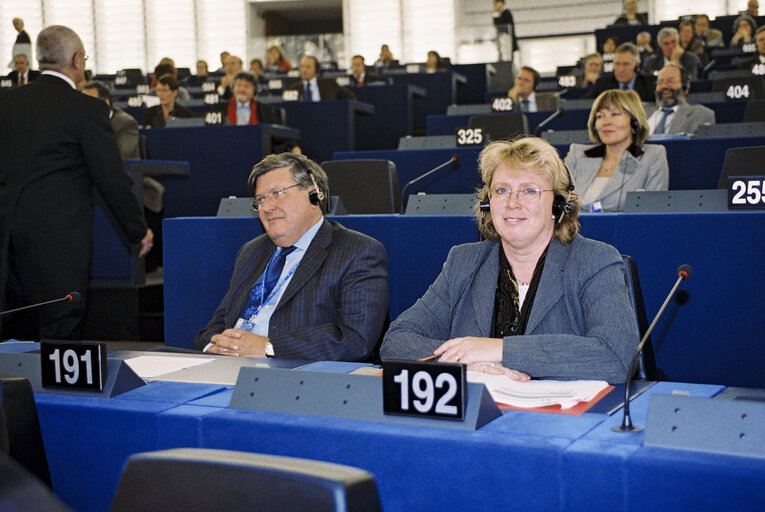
[538,393]
[148,367]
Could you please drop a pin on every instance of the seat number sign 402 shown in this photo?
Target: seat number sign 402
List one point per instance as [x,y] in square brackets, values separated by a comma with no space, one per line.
[424,389]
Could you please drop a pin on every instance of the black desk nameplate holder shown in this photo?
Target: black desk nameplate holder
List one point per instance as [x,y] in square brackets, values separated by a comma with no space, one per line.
[120,377]
[731,427]
[341,395]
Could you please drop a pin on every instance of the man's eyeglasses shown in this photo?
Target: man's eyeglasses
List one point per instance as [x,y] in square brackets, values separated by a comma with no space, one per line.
[276,195]
[84,57]
[525,195]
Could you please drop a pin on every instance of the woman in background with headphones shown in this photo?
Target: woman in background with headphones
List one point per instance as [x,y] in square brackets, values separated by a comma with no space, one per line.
[536,299]
[619,162]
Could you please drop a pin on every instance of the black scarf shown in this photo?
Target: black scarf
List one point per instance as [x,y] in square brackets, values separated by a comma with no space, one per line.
[509,319]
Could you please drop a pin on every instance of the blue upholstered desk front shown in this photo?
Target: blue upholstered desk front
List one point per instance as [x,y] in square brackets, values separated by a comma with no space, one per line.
[523,460]
[714,337]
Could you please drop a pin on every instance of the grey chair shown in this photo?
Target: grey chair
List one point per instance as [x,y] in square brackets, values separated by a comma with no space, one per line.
[647,369]
[204,480]
[365,186]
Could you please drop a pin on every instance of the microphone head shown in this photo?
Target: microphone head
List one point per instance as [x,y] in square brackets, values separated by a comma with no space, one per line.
[684,271]
[560,110]
[455,158]
[74,297]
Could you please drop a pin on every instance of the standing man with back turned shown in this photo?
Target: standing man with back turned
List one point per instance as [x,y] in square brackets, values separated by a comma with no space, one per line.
[55,144]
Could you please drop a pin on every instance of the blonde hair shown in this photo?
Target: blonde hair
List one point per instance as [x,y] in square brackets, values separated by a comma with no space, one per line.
[528,154]
[629,101]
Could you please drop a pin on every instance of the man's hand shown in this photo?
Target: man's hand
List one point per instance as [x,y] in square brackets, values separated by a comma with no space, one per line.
[233,342]
[676,54]
[147,243]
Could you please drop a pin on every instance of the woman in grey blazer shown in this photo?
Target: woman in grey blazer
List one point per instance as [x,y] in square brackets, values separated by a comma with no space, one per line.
[619,162]
[536,300]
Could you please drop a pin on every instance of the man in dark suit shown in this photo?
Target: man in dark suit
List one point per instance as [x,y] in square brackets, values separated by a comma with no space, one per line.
[22,74]
[359,74]
[524,92]
[55,144]
[625,76]
[312,88]
[671,51]
[306,289]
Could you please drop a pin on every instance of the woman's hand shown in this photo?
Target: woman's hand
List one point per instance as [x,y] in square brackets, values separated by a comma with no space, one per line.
[498,369]
[470,349]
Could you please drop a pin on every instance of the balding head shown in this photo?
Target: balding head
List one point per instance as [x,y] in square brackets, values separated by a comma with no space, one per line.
[56,46]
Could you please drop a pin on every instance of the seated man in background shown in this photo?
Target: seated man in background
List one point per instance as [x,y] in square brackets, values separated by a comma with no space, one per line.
[312,88]
[524,94]
[306,289]
[233,67]
[22,74]
[626,75]
[359,74]
[592,68]
[673,114]
[710,36]
[756,64]
[671,51]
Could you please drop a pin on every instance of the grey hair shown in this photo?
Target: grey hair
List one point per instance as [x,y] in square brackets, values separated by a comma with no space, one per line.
[631,48]
[56,45]
[301,168]
[666,31]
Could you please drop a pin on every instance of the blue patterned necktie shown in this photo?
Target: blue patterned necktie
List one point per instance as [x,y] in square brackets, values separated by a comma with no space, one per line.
[274,270]
[662,126]
[308,94]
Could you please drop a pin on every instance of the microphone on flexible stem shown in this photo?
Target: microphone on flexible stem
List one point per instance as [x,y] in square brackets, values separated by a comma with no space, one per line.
[547,121]
[453,159]
[74,297]
[683,272]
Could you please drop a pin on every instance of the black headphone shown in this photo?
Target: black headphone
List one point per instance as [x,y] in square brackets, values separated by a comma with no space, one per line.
[561,204]
[315,196]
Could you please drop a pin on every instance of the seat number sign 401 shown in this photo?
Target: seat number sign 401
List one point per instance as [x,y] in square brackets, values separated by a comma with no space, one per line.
[424,389]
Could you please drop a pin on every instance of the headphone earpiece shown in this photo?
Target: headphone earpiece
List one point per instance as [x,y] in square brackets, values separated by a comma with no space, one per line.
[484,206]
[634,124]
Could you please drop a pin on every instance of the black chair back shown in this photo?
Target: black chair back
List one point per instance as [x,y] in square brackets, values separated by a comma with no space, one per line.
[647,369]
[755,111]
[22,435]
[176,480]
[500,126]
[742,162]
[365,186]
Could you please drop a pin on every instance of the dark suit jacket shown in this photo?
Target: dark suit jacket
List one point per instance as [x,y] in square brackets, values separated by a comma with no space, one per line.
[748,64]
[369,78]
[334,306]
[55,144]
[688,60]
[328,90]
[153,116]
[13,76]
[581,325]
[644,86]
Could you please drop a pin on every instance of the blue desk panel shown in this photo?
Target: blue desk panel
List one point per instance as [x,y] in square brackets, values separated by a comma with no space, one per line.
[393,117]
[442,89]
[220,159]
[535,460]
[572,119]
[325,126]
[694,164]
[712,337]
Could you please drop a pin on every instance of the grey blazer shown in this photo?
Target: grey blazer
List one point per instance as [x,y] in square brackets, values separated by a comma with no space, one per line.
[581,325]
[688,118]
[334,306]
[647,169]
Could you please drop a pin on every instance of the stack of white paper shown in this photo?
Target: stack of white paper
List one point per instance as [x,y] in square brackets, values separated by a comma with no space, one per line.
[538,393]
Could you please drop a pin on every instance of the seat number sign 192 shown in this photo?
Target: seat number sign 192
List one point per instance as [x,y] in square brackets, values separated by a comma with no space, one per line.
[424,389]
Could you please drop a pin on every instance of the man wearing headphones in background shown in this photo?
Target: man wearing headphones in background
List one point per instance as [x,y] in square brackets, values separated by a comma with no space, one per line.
[673,114]
[306,289]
